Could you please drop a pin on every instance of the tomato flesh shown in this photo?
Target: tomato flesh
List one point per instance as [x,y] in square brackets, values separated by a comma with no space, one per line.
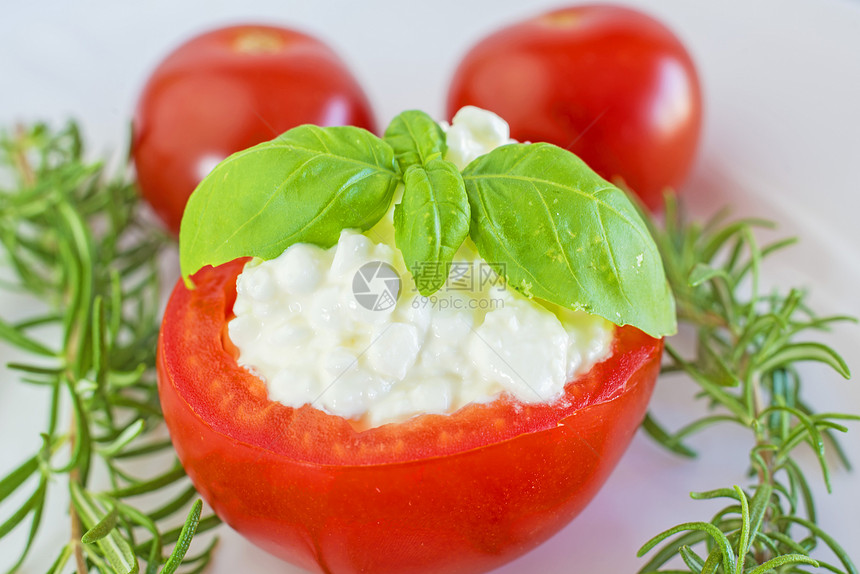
[227,90]
[609,83]
[460,493]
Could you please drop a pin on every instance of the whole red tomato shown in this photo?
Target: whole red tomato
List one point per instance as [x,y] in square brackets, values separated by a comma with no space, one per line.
[227,90]
[610,84]
[437,494]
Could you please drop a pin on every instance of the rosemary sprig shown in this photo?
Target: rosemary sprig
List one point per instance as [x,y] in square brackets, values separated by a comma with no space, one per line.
[73,239]
[747,344]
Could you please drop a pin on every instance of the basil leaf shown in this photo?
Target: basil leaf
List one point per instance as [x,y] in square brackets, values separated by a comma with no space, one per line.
[431,221]
[558,231]
[415,138]
[306,185]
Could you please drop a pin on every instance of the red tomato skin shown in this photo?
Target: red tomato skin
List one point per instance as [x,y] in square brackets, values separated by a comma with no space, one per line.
[609,83]
[227,90]
[463,493]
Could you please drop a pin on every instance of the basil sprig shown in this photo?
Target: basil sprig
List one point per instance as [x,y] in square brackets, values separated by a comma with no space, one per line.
[545,221]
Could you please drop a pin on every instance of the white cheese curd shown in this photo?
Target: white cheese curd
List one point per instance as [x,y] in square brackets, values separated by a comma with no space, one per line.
[318,331]
[474,132]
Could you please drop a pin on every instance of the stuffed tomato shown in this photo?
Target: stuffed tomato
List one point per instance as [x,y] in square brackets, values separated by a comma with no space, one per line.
[498,428]
[464,492]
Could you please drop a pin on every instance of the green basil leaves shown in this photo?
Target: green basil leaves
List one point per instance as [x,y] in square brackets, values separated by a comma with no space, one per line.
[305,186]
[415,138]
[559,232]
[536,213]
[432,219]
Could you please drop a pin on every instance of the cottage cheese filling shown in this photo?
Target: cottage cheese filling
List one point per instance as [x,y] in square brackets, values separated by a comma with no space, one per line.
[321,326]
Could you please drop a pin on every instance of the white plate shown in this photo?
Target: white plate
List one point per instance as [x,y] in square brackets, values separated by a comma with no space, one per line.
[782,140]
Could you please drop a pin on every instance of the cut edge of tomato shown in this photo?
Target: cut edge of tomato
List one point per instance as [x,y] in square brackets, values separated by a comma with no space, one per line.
[191,350]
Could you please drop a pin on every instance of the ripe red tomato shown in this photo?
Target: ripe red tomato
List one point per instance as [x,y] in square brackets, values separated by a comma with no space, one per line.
[227,90]
[610,84]
[435,494]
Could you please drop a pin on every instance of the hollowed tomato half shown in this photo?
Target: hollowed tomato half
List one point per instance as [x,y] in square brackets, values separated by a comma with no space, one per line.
[460,493]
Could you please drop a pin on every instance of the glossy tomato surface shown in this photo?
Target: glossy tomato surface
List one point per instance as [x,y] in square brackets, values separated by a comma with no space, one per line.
[609,83]
[227,90]
[460,493]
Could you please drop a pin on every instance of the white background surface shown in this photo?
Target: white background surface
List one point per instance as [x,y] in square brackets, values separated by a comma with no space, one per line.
[782,140]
